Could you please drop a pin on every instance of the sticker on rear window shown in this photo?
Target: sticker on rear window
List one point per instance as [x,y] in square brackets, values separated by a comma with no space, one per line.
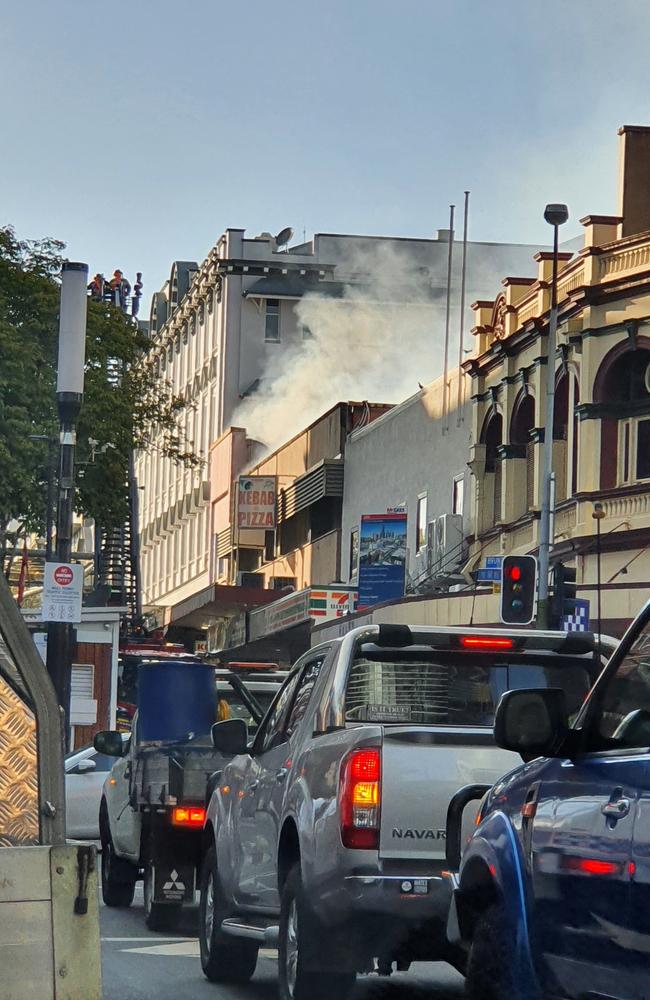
[388,713]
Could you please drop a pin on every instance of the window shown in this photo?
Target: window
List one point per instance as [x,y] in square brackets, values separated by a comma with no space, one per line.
[354,554]
[308,679]
[643,449]
[453,689]
[272,321]
[421,539]
[458,494]
[271,731]
[624,718]
[634,450]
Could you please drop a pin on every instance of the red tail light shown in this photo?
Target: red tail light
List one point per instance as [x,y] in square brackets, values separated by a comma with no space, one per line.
[591,866]
[360,799]
[188,816]
[486,642]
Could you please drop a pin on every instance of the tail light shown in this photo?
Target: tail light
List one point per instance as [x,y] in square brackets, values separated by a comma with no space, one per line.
[188,816]
[486,643]
[360,799]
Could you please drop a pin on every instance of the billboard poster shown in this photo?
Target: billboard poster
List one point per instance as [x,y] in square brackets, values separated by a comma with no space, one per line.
[382,558]
[256,505]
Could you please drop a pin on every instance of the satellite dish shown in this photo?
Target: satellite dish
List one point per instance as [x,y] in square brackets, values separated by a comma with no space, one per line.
[283,236]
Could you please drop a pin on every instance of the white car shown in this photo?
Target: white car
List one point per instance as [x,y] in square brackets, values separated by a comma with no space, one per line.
[85,773]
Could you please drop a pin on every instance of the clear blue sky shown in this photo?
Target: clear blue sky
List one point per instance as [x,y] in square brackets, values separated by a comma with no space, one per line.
[137,131]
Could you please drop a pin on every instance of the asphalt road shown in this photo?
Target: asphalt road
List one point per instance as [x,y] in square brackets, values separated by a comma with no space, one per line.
[140,965]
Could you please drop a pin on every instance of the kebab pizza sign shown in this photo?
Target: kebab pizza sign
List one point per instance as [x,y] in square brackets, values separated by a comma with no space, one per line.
[256,502]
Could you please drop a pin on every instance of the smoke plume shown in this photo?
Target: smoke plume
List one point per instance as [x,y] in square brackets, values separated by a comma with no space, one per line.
[377,342]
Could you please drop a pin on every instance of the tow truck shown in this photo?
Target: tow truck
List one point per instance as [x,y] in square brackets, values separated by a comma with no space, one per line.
[153,803]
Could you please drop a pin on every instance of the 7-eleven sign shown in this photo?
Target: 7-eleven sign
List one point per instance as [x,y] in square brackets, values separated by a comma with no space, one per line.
[327,603]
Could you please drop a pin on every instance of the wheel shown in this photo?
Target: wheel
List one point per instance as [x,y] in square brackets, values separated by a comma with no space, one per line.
[301,976]
[118,876]
[491,970]
[158,916]
[224,959]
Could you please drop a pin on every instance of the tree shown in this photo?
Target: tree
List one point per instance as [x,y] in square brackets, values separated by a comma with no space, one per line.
[125,400]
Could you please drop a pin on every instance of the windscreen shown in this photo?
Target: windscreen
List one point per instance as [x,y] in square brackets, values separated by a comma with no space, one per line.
[453,688]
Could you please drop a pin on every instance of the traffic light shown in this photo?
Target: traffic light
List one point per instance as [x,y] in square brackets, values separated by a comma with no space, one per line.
[564,594]
[518,589]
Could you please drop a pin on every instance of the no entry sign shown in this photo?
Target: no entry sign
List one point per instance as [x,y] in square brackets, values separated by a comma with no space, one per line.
[62,592]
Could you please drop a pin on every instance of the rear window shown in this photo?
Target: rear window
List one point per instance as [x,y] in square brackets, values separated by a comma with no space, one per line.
[230,705]
[453,689]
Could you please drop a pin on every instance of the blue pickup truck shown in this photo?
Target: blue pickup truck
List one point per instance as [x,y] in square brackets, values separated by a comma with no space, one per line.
[552,897]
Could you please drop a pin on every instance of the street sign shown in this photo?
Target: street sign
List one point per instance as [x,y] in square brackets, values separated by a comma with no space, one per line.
[62,592]
[488,575]
[494,562]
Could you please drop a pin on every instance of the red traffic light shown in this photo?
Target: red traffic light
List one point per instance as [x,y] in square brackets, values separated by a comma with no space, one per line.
[513,572]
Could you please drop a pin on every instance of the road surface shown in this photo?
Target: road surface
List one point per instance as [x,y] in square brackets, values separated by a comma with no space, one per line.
[140,965]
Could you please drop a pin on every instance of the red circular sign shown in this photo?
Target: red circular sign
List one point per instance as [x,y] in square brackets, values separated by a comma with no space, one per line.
[63,576]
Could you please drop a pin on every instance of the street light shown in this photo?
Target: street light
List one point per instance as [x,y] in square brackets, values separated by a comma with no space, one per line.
[598,514]
[556,216]
[69,395]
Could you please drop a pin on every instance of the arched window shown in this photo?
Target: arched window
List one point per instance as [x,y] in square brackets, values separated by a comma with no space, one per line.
[492,438]
[622,388]
[566,430]
[521,424]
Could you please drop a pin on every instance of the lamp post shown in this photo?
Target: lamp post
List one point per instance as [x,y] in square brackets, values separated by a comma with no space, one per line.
[598,514]
[556,216]
[69,395]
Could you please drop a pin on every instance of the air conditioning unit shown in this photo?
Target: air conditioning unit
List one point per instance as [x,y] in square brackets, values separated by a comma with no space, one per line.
[447,549]
[254,581]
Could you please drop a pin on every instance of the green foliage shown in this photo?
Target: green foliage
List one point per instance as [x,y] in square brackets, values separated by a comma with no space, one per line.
[125,403]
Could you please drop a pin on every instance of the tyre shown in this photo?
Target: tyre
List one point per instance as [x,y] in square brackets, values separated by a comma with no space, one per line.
[224,959]
[158,916]
[118,876]
[301,941]
[491,968]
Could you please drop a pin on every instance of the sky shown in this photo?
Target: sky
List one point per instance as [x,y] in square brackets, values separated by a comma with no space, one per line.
[137,131]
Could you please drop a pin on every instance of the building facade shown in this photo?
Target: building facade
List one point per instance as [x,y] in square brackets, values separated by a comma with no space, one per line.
[414,456]
[601,429]
[221,331]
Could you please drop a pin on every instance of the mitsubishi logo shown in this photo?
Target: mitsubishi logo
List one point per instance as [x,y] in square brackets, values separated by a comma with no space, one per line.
[175,884]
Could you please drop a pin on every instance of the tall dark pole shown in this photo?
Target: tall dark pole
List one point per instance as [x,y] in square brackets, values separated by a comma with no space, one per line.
[69,395]
[49,514]
[598,515]
[555,215]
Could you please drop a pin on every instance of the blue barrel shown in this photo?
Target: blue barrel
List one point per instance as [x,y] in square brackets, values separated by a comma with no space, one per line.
[175,698]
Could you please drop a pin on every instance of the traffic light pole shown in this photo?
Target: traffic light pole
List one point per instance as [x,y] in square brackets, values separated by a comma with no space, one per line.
[543,605]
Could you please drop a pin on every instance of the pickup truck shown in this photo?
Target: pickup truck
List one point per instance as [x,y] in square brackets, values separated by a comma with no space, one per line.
[153,802]
[325,835]
[552,898]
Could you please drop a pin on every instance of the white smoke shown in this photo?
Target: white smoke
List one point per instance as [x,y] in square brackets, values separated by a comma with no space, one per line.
[377,343]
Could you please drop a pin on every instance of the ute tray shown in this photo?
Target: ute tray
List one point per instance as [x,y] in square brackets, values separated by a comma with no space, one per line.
[173,774]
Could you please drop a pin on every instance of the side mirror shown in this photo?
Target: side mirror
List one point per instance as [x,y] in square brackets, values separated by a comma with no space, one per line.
[230,736]
[533,723]
[110,742]
[86,766]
